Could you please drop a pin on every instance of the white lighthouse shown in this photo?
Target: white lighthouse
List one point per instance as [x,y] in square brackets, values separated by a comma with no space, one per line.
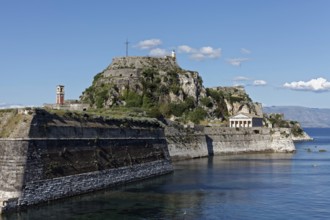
[173,55]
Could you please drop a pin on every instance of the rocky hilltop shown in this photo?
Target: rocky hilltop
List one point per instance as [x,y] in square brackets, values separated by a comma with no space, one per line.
[161,88]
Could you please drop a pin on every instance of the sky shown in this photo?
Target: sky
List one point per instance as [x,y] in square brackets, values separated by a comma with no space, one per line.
[278,50]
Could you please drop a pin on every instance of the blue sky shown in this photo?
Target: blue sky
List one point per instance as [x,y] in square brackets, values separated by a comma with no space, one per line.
[279,49]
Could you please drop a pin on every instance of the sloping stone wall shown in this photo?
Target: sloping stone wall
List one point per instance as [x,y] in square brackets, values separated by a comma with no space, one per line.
[38,170]
[68,156]
[35,192]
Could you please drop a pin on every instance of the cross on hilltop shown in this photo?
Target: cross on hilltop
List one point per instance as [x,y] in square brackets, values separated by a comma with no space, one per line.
[127,47]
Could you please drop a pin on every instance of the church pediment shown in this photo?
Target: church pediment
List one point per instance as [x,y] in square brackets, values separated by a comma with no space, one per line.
[240,116]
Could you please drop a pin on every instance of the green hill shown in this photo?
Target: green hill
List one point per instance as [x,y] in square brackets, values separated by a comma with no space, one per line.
[159,87]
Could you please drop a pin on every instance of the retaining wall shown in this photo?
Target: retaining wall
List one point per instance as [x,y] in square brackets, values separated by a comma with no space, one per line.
[193,143]
[65,157]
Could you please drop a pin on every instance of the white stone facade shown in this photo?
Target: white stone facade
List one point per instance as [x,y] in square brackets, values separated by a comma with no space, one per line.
[244,121]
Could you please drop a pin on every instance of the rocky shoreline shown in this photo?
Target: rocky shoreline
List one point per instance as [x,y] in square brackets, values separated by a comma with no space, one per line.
[303,137]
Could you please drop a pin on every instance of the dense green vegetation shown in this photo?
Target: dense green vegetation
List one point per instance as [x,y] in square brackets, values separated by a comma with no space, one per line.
[157,91]
[278,121]
[150,97]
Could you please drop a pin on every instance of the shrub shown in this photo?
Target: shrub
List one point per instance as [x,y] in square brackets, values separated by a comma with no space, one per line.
[132,99]
[236,99]
[200,80]
[163,90]
[197,115]
[218,113]
[149,73]
[165,109]
[97,77]
[101,96]
[147,102]
[216,95]
[206,101]
[154,113]
[177,109]
[175,89]
[297,131]
[157,80]
[189,102]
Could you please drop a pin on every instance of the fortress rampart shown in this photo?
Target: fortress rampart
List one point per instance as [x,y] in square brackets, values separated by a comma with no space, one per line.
[61,156]
[193,143]
[64,157]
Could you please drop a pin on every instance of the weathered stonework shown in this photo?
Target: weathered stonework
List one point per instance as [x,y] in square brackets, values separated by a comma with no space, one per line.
[185,144]
[65,156]
[244,140]
[37,191]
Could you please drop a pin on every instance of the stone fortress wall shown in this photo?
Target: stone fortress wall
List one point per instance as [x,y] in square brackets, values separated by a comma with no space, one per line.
[60,156]
[202,142]
[131,66]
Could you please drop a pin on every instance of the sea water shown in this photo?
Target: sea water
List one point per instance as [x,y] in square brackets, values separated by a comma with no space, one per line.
[250,186]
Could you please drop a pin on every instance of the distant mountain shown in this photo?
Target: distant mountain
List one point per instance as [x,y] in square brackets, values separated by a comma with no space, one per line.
[6,106]
[308,117]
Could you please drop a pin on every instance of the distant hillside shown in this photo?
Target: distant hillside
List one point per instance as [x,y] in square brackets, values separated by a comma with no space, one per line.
[308,117]
[6,106]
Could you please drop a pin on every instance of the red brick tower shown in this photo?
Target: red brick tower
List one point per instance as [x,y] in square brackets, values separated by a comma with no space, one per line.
[60,95]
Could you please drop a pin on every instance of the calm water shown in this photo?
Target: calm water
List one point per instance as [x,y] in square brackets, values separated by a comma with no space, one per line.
[254,186]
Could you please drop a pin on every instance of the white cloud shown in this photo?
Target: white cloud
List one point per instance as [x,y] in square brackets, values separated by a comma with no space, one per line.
[211,52]
[148,44]
[237,61]
[241,78]
[197,56]
[245,51]
[316,85]
[158,52]
[186,49]
[259,82]
[208,52]
[202,53]
[245,81]
[239,84]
